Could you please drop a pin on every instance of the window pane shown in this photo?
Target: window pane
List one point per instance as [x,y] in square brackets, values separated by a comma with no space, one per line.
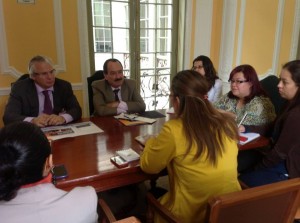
[121,40]
[164,41]
[120,15]
[101,13]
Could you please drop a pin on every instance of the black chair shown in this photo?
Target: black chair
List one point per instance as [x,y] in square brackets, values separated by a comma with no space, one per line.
[22,77]
[98,75]
[269,84]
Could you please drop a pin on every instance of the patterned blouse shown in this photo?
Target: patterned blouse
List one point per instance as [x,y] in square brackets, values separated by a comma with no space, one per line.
[260,110]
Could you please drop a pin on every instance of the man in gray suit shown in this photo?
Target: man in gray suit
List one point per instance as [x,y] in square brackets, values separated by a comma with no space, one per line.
[42,99]
[114,94]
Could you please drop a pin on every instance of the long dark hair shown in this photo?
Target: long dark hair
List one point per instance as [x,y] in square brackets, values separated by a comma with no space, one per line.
[24,150]
[251,76]
[293,67]
[202,123]
[210,72]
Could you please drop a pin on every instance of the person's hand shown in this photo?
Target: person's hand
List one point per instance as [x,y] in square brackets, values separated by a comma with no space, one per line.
[41,120]
[242,128]
[56,120]
[113,104]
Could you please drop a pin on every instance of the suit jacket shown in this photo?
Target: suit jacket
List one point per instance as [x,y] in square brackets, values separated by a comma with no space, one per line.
[103,94]
[45,203]
[23,101]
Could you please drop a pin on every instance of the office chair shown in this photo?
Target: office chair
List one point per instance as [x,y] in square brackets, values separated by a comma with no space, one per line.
[98,75]
[276,203]
[22,77]
[269,84]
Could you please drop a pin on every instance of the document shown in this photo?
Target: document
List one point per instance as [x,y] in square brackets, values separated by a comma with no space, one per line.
[128,154]
[71,130]
[248,137]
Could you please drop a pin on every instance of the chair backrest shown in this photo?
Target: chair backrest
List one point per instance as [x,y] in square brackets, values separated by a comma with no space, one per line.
[269,84]
[98,75]
[22,77]
[276,203]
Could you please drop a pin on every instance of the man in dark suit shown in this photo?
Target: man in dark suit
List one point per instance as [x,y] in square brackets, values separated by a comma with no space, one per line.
[42,99]
[114,94]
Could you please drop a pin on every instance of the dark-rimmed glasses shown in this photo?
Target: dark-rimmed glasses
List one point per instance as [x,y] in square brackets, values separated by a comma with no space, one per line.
[237,81]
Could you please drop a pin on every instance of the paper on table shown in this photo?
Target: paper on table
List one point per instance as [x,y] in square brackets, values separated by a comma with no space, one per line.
[133,117]
[247,137]
[128,154]
[71,130]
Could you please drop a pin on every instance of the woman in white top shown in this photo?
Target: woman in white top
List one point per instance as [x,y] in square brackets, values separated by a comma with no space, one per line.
[204,66]
[26,191]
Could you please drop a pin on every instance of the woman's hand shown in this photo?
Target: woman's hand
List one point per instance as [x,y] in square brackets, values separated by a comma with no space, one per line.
[242,128]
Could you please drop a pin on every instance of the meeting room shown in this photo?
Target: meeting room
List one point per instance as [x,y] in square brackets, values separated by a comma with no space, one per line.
[150,111]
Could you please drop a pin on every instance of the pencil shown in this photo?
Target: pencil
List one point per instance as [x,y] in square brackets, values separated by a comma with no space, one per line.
[242,119]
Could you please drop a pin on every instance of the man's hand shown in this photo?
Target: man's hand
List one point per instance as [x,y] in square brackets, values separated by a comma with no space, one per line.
[113,104]
[48,120]
[41,120]
[56,120]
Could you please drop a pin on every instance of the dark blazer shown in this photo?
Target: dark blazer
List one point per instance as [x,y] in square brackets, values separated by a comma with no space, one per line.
[103,94]
[23,101]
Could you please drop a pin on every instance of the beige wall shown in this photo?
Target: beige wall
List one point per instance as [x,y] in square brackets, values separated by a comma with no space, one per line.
[263,33]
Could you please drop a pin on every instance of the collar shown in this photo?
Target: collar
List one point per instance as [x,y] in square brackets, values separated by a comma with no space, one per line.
[40,89]
[47,179]
[118,88]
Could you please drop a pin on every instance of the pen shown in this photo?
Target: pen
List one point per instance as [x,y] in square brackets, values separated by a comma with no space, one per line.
[242,119]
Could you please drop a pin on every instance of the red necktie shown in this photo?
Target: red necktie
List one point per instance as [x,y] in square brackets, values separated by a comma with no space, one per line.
[47,103]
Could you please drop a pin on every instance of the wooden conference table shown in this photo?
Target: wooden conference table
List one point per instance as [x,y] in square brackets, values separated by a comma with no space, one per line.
[87,157]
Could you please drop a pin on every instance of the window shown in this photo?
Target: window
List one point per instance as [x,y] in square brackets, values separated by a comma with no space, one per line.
[140,35]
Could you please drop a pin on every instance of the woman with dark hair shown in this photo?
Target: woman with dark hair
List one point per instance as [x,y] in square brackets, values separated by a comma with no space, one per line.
[26,191]
[282,161]
[204,66]
[200,156]
[247,98]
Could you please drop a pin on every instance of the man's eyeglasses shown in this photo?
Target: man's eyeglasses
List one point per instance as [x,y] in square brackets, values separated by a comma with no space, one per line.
[46,73]
[237,81]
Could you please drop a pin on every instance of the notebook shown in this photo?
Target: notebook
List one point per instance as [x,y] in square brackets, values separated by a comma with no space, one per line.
[248,137]
[128,154]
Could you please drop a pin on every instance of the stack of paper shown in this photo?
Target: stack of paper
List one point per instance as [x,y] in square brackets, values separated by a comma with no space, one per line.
[248,137]
[128,154]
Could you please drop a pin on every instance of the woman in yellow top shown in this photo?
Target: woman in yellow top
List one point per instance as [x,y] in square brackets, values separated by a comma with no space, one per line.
[198,147]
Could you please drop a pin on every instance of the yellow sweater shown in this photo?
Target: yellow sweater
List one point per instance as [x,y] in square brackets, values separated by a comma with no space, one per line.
[192,182]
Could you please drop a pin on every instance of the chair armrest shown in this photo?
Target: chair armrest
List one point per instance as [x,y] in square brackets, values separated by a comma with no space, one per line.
[155,206]
[105,213]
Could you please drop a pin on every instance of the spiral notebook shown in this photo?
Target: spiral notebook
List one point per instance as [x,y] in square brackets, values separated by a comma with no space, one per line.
[128,154]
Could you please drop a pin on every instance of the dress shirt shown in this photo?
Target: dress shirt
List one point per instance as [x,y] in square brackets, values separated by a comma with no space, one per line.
[122,107]
[41,98]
